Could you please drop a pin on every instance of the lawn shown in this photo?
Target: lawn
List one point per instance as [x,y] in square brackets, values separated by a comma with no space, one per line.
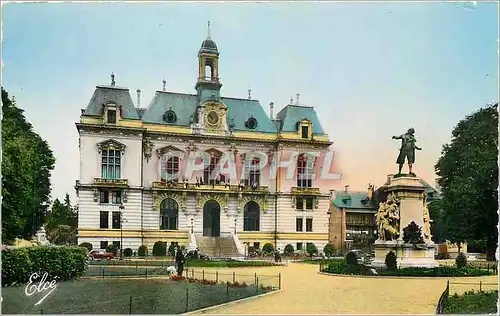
[472,303]
[112,296]
[189,263]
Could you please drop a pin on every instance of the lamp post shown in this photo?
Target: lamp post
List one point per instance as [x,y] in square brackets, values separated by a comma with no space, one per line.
[235,221]
[192,226]
[121,231]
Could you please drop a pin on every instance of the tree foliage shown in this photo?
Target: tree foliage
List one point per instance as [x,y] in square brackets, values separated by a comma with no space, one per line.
[468,176]
[412,234]
[27,162]
[63,235]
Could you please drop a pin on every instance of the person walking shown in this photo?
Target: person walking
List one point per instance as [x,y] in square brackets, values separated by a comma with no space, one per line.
[180,259]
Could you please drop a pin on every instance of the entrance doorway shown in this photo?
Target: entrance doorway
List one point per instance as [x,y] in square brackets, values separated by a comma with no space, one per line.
[211,219]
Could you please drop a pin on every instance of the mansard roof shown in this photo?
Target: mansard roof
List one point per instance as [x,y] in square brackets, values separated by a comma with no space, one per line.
[111,94]
[291,114]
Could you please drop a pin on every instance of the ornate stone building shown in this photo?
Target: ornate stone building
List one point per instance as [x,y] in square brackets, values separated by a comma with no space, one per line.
[157,173]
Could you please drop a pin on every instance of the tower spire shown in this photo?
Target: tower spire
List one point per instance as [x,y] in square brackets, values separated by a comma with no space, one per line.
[208,29]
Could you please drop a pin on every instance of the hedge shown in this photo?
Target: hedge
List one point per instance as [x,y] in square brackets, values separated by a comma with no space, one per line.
[341,267]
[87,245]
[268,248]
[159,249]
[142,251]
[62,263]
[127,252]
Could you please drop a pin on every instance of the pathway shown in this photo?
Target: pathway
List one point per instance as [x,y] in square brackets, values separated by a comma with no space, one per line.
[304,291]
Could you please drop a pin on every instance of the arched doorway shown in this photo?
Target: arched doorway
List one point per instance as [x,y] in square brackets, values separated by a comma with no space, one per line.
[251,217]
[211,219]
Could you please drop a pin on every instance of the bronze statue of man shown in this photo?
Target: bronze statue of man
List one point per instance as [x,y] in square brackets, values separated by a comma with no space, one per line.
[407,149]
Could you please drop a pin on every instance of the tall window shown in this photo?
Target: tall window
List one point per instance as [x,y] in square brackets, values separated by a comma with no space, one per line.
[309,203]
[169,213]
[309,224]
[116,244]
[305,131]
[211,177]
[299,246]
[304,171]
[104,244]
[299,203]
[299,224]
[251,217]
[110,164]
[112,116]
[110,196]
[252,172]
[117,220]
[104,220]
[169,168]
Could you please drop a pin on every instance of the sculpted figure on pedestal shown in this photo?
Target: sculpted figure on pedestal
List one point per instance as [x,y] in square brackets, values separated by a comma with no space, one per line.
[387,219]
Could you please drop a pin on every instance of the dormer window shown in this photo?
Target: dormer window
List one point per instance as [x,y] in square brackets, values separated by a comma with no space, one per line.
[111,117]
[305,132]
[304,128]
[251,123]
[170,116]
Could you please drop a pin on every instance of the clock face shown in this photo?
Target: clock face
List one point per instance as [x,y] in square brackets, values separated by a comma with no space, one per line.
[212,118]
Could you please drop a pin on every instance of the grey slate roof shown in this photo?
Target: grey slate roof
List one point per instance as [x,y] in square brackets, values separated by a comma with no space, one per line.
[115,94]
[354,200]
[291,114]
[184,106]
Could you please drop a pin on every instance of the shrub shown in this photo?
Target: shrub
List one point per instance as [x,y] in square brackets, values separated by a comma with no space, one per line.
[311,249]
[87,245]
[351,259]
[268,248]
[112,248]
[127,252]
[391,261]
[159,249]
[412,234]
[461,260]
[142,251]
[288,249]
[329,250]
[62,263]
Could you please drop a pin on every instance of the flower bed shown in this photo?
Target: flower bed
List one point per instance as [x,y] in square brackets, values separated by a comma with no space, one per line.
[211,282]
[472,303]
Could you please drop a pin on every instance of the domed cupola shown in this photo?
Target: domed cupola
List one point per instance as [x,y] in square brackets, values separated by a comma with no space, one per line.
[208,68]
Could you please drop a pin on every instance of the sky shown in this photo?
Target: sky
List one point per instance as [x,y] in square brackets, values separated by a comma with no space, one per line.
[371,70]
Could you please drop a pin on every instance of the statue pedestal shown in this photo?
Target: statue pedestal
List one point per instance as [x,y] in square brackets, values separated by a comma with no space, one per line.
[408,255]
[411,196]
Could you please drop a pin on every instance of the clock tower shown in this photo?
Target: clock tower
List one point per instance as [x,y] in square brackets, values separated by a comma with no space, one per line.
[211,113]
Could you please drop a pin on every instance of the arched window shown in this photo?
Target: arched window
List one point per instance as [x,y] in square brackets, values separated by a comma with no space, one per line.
[251,217]
[169,168]
[169,214]
[208,72]
[304,171]
[252,172]
[211,177]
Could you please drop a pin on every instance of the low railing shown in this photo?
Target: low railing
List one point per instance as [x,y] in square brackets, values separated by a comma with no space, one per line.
[443,299]
[110,182]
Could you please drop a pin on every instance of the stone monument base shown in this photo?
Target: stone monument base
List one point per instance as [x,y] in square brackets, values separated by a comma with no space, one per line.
[408,255]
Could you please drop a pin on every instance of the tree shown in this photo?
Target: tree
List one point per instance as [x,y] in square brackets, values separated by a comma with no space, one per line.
[412,234]
[62,214]
[437,224]
[27,162]
[63,235]
[468,176]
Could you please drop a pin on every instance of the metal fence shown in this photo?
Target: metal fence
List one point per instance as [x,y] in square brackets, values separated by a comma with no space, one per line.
[210,274]
[460,288]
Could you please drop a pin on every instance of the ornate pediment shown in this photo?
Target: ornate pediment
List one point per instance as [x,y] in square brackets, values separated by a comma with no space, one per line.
[214,152]
[180,198]
[170,148]
[111,144]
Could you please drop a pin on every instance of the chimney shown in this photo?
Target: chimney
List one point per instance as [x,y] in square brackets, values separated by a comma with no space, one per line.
[138,98]
[370,191]
[332,194]
[346,189]
[271,110]
[164,85]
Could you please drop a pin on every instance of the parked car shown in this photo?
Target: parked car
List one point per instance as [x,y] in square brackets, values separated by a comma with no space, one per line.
[101,254]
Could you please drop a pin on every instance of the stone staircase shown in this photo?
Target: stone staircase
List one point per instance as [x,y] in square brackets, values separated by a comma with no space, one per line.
[217,247]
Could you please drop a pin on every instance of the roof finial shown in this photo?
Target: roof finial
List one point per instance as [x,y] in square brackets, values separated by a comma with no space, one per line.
[249,94]
[208,29]
[164,84]
[291,100]
[297,101]
[113,79]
